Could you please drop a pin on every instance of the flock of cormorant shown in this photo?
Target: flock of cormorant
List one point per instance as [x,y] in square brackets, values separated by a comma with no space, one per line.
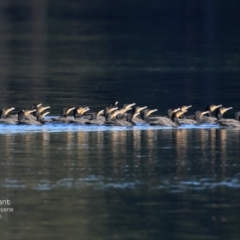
[127,115]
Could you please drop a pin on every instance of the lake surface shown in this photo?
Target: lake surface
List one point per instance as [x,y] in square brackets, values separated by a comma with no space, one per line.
[95,182]
[119,183]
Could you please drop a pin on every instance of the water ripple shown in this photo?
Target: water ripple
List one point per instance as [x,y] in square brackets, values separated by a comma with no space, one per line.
[99,183]
[11,129]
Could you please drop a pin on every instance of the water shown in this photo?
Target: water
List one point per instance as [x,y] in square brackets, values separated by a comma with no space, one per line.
[84,54]
[125,184]
[141,182]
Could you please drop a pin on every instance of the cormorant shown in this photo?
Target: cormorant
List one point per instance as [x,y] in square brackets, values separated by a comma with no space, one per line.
[66,111]
[234,123]
[35,106]
[211,109]
[136,111]
[121,113]
[185,109]
[78,115]
[111,107]
[171,111]
[162,121]
[23,115]
[40,117]
[96,118]
[127,107]
[221,111]
[166,121]
[108,110]
[64,116]
[145,113]
[30,121]
[208,118]
[198,116]
[5,118]
[112,120]
[39,110]
[79,111]
[177,115]
[4,112]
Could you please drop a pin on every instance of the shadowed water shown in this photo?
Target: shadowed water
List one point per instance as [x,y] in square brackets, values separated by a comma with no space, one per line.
[160,54]
[121,184]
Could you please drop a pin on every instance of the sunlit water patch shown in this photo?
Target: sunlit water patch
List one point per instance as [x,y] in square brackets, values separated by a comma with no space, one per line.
[198,185]
[99,183]
[70,127]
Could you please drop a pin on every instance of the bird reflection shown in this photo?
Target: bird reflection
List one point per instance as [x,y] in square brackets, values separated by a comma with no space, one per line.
[223,146]
[181,148]
[151,154]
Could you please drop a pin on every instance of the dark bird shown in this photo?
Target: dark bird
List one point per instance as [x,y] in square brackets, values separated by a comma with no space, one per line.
[145,113]
[30,121]
[221,111]
[39,111]
[233,123]
[211,109]
[138,109]
[121,113]
[35,106]
[4,112]
[127,107]
[170,121]
[171,111]
[79,111]
[6,118]
[184,109]
[64,118]
[40,117]
[177,115]
[198,116]
[109,109]
[78,115]
[23,115]
[111,119]
[96,118]
[66,111]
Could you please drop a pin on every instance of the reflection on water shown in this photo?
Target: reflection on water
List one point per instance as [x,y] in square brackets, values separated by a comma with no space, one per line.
[78,179]
[139,155]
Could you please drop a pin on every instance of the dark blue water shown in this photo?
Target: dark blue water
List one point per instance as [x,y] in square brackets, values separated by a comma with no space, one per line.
[138,183]
[142,182]
[156,54]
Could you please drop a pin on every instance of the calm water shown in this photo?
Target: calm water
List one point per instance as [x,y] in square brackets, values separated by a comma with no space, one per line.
[89,182]
[121,183]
